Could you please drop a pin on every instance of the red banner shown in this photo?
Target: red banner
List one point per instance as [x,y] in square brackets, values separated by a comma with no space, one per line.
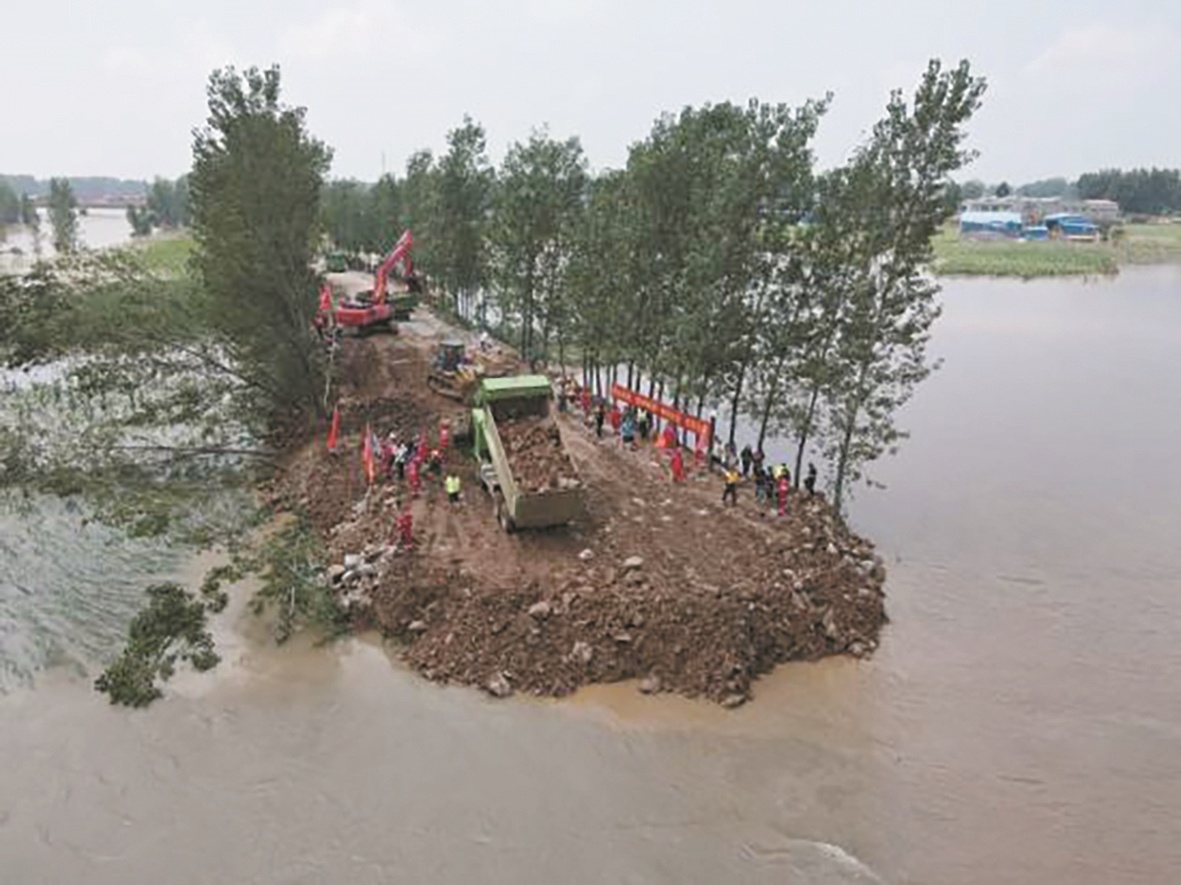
[699,426]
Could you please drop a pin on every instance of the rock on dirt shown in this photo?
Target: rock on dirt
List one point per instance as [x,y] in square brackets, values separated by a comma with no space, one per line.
[499,686]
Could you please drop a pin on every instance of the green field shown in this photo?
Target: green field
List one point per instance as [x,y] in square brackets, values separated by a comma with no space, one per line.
[1140,244]
[165,255]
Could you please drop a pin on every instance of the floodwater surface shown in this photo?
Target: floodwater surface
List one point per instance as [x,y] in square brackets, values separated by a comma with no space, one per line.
[1019,723]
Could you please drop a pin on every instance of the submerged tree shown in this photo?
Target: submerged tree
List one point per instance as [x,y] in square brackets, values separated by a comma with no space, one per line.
[63,216]
[254,194]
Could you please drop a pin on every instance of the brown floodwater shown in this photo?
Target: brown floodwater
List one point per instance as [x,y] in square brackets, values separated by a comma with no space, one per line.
[1020,723]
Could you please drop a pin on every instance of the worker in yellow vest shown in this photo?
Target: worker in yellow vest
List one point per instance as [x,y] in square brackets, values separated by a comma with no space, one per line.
[451,483]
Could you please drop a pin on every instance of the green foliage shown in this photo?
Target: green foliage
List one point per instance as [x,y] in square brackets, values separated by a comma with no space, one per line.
[1048,187]
[1138,191]
[892,193]
[167,256]
[10,204]
[140,221]
[1003,189]
[955,256]
[171,630]
[534,216]
[28,212]
[254,196]
[291,564]
[63,216]
[972,190]
[464,190]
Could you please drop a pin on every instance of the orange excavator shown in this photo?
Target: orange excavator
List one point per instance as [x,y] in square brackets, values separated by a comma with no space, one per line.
[372,310]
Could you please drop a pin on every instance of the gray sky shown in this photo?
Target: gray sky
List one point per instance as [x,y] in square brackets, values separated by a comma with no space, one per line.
[115,87]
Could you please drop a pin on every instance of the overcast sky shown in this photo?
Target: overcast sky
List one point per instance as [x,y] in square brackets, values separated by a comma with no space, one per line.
[114,87]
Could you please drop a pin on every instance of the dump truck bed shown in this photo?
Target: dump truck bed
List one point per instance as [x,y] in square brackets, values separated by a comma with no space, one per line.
[536,483]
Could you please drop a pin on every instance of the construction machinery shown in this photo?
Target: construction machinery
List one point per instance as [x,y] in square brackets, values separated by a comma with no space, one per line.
[523,463]
[456,375]
[372,310]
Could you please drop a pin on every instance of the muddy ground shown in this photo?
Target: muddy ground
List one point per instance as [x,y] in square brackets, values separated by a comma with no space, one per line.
[656,581]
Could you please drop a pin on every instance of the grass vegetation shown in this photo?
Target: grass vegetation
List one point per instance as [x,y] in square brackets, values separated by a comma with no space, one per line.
[167,255]
[1138,244]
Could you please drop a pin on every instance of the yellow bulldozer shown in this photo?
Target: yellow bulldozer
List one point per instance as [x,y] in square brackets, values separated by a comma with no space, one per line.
[456,375]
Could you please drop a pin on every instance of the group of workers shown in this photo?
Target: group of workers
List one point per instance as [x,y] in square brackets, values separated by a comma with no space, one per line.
[773,483]
[408,460]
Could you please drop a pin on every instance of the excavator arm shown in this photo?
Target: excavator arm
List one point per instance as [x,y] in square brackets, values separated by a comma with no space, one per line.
[400,253]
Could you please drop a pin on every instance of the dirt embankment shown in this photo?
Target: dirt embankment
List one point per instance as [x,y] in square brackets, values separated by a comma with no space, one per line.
[656,581]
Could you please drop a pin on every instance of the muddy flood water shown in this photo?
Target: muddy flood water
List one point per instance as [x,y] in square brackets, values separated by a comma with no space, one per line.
[1020,723]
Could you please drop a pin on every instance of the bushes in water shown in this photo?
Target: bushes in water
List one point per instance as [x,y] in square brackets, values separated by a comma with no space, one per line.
[170,630]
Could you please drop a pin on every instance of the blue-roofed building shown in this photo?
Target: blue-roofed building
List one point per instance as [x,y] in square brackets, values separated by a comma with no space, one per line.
[991,224]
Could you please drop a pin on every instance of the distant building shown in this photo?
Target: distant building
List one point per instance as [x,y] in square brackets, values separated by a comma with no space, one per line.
[1034,210]
[991,224]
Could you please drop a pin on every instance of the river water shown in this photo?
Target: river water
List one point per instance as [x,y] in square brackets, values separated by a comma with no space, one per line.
[97,229]
[1019,723]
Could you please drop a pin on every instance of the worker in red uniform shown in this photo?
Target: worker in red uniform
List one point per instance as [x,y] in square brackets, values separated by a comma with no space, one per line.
[585,397]
[406,530]
[444,435]
[782,487]
[415,479]
[677,464]
[669,437]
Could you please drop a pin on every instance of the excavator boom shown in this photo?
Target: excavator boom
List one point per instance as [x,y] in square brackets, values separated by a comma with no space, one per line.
[400,252]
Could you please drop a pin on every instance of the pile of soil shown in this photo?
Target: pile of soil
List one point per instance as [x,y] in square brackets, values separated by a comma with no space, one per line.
[533,446]
[657,581]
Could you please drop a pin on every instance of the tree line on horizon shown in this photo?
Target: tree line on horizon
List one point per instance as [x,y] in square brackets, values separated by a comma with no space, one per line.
[1137,191]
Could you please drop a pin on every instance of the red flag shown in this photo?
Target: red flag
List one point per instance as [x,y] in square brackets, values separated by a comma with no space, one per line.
[334,430]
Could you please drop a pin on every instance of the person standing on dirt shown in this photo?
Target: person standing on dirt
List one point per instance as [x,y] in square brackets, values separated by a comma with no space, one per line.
[677,464]
[730,492]
[757,458]
[730,456]
[451,483]
[747,457]
[600,417]
[627,430]
[783,485]
[400,459]
[644,424]
[810,480]
[434,464]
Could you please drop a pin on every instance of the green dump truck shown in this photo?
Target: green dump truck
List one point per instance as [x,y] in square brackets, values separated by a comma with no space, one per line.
[523,463]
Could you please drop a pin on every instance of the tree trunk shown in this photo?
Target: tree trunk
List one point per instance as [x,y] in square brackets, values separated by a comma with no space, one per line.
[838,492]
[805,432]
[734,402]
[765,420]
